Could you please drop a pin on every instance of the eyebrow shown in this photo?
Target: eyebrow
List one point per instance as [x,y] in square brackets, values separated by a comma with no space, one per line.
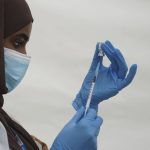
[26,37]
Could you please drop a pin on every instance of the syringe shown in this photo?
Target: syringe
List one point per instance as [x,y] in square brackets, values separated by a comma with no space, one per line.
[101,54]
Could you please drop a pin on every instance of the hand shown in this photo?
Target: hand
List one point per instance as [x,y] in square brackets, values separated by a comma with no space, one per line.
[83,94]
[112,79]
[40,144]
[80,133]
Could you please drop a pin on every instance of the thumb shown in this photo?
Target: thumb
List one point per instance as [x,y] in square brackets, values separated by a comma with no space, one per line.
[91,113]
[129,77]
[79,114]
[98,123]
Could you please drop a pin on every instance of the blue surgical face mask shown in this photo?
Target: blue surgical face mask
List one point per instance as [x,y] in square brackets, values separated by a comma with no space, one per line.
[16,65]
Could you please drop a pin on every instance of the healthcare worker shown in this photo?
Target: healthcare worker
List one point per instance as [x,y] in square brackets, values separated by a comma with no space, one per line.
[81,132]
[15,28]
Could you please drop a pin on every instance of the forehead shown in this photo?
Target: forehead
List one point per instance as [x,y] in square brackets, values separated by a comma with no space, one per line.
[25,30]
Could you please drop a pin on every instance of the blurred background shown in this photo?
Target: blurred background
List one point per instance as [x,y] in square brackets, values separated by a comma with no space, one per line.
[62,46]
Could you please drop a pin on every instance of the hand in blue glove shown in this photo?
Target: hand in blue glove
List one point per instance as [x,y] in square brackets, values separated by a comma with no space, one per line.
[112,79]
[82,96]
[80,133]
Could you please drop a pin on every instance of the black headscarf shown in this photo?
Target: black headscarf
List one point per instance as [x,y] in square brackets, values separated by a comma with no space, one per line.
[14,15]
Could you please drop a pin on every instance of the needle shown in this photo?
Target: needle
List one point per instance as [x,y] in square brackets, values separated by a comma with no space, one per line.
[101,54]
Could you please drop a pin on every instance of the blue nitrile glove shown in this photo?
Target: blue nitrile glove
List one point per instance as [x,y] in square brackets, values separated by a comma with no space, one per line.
[82,96]
[80,133]
[113,77]
[110,80]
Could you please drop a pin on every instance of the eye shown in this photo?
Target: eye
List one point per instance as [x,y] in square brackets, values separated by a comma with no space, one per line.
[19,42]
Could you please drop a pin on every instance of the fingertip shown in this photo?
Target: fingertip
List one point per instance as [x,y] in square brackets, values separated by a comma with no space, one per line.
[79,114]
[133,69]
[107,48]
[109,44]
[99,120]
[91,113]
[135,66]
[82,109]
[132,73]
[104,47]
[107,41]
[130,76]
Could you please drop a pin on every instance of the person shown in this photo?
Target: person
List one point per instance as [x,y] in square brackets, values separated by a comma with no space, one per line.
[15,30]
[81,132]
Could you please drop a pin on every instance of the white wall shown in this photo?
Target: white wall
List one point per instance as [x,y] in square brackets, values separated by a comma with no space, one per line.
[62,44]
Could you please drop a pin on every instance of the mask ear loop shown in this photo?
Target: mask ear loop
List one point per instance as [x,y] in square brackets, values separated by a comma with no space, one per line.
[3,89]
